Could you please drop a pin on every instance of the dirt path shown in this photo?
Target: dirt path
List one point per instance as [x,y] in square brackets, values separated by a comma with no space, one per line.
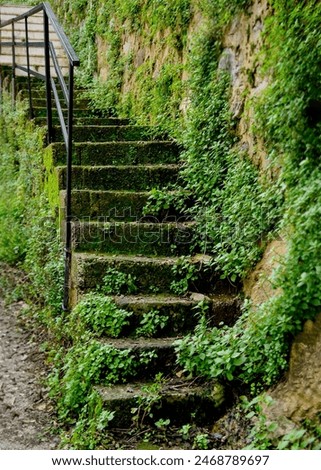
[25,413]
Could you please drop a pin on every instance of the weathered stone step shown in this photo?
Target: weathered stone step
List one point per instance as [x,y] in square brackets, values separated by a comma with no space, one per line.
[179,315]
[39,100]
[117,153]
[170,275]
[88,121]
[93,134]
[152,355]
[162,239]
[107,205]
[182,402]
[118,206]
[126,177]
[41,112]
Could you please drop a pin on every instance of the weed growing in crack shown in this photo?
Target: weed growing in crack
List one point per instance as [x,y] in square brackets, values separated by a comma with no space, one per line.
[185,272]
[117,282]
[151,324]
[147,401]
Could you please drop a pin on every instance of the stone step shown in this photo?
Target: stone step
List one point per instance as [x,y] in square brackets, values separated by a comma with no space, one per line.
[119,206]
[41,112]
[88,121]
[101,121]
[126,177]
[107,205]
[151,239]
[41,101]
[6,60]
[15,10]
[93,134]
[117,153]
[180,401]
[180,314]
[170,275]
[152,355]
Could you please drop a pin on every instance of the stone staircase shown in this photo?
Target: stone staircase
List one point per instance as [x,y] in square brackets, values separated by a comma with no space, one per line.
[116,166]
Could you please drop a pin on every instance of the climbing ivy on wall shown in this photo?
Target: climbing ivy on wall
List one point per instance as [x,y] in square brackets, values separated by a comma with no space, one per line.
[137,88]
[256,348]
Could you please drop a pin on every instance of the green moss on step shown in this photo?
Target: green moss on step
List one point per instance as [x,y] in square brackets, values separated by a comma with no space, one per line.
[139,178]
[51,181]
[118,153]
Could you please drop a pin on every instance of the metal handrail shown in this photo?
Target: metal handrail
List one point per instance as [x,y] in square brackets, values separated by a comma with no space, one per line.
[51,88]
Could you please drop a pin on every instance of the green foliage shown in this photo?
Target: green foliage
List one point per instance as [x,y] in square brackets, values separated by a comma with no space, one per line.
[100,314]
[161,201]
[29,233]
[201,442]
[185,272]
[185,431]
[289,118]
[151,324]
[14,182]
[148,400]
[267,434]
[233,209]
[118,282]
[236,209]
[44,260]
[256,348]
[87,363]
[93,420]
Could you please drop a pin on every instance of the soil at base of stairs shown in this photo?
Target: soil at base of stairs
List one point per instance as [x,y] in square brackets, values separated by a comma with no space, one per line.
[26,415]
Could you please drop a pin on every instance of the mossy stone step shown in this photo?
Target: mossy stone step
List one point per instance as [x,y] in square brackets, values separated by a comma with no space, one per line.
[125,177]
[88,121]
[39,100]
[101,133]
[107,205]
[181,313]
[41,112]
[161,239]
[180,401]
[152,355]
[118,206]
[150,275]
[117,153]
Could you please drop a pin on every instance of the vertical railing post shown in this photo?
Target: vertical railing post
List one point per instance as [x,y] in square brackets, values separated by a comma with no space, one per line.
[48,77]
[68,214]
[13,83]
[28,67]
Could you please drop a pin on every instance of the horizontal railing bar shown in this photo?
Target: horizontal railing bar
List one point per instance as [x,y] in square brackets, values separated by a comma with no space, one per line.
[21,44]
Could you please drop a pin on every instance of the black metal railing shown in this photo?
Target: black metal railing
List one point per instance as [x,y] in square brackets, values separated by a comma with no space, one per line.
[54,85]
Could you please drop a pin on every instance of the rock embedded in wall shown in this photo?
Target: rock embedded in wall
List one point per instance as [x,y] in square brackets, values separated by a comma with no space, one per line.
[298,397]
[242,43]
